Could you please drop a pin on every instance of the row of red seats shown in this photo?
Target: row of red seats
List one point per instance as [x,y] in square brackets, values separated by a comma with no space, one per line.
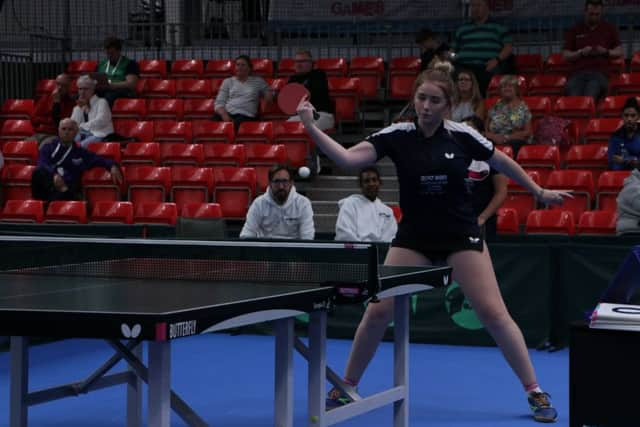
[104,211]
[291,134]
[558,222]
[232,187]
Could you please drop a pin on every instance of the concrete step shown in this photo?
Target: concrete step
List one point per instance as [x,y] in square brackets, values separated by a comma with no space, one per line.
[325,223]
[325,207]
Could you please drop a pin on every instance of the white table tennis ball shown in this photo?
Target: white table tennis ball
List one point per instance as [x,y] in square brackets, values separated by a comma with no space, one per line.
[304,172]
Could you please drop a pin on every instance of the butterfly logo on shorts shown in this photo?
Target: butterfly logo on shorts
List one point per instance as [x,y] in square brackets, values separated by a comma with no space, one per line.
[130,332]
[448,156]
[474,239]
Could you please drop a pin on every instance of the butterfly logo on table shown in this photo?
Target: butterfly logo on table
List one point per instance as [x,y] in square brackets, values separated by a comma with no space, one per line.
[133,332]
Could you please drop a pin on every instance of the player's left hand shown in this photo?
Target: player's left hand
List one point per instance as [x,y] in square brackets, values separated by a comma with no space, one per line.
[116,175]
[553,197]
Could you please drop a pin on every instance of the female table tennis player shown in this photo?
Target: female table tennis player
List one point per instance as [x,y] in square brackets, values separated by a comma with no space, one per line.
[432,156]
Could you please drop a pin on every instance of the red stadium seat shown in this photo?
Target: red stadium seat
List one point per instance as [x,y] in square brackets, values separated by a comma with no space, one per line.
[635,62]
[187,68]
[141,86]
[16,181]
[25,152]
[155,213]
[539,106]
[616,66]
[201,210]
[599,130]
[521,199]
[221,154]
[194,88]
[198,109]
[255,133]
[578,109]
[177,153]
[78,67]
[506,149]
[529,63]
[625,83]
[262,67]
[609,185]
[234,190]
[45,87]
[169,109]
[345,92]
[153,68]
[97,184]
[297,141]
[159,88]
[262,157]
[23,211]
[66,211]
[402,74]
[190,184]
[17,109]
[129,108]
[611,106]
[597,222]
[109,211]
[579,183]
[16,129]
[397,212]
[550,222]
[494,85]
[215,86]
[547,84]
[539,157]
[140,130]
[508,221]
[333,67]
[219,68]
[206,131]
[490,102]
[172,131]
[108,150]
[591,157]
[556,64]
[286,67]
[148,183]
[370,71]
[141,153]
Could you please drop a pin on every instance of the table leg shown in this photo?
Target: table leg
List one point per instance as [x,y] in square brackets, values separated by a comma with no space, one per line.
[19,379]
[401,359]
[159,384]
[317,368]
[284,373]
[134,394]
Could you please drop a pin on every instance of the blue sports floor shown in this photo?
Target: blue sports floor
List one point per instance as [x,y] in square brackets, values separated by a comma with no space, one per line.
[228,380]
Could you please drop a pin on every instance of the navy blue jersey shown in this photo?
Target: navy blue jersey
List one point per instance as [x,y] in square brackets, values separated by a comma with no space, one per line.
[435,188]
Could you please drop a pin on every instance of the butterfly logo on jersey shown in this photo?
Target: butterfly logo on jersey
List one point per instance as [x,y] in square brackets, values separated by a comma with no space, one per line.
[474,239]
[130,332]
[449,156]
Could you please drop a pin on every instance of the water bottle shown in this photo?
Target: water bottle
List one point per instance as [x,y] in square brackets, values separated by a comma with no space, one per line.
[624,153]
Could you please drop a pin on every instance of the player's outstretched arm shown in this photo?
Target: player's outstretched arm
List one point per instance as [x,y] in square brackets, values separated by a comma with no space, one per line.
[359,155]
[509,167]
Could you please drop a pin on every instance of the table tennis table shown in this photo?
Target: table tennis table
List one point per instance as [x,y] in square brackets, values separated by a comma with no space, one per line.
[134,291]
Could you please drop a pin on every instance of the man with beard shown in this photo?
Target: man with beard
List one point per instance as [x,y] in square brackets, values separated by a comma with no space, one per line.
[363,217]
[280,213]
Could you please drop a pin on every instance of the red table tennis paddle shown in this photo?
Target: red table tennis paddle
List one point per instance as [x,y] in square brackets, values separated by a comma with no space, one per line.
[289,97]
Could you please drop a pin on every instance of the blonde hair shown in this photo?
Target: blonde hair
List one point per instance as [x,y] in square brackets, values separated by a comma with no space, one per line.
[476,96]
[510,79]
[437,77]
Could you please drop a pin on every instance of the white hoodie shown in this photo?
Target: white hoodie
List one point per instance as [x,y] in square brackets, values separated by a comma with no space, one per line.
[629,204]
[291,220]
[361,220]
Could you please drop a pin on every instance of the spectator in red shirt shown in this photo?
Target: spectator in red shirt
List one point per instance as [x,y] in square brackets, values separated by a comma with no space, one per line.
[588,47]
[50,109]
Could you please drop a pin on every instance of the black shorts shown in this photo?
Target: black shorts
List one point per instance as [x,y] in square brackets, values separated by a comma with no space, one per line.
[436,248]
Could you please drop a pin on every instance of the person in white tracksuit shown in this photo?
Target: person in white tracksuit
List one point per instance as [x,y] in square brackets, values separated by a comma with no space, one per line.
[364,217]
[280,213]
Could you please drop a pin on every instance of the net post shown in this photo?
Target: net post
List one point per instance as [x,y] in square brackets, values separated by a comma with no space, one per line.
[373,280]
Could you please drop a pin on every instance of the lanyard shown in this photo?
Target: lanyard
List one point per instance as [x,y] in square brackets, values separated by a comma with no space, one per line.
[114,68]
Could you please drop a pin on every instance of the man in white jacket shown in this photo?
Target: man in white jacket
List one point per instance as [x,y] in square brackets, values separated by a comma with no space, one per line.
[363,217]
[280,213]
[92,113]
[629,205]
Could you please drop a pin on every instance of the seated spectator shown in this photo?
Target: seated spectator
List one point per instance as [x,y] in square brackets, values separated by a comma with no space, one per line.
[624,144]
[91,113]
[316,82]
[467,100]
[51,108]
[280,213]
[489,189]
[61,164]
[239,95]
[509,120]
[122,73]
[430,48]
[589,46]
[363,217]
[629,205]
